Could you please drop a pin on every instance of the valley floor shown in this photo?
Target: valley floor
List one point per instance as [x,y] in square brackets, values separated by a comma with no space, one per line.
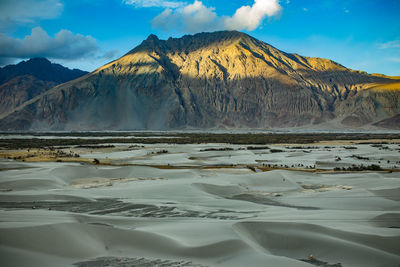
[333,203]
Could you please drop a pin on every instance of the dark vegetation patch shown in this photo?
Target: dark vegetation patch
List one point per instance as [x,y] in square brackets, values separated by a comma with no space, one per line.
[51,153]
[217,149]
[305,147]
[359,157]
[276,150]
[95,146]
[377,145]
[252,168]
[182,138]
[257,147]
[163,151]
[372,167]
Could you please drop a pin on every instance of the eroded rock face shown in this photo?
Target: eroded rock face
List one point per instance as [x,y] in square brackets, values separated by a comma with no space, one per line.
[24,81]
[211,80]
[390,123]
[20,89]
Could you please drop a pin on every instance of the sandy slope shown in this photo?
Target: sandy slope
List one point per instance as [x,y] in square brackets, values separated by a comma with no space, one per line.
[58,214]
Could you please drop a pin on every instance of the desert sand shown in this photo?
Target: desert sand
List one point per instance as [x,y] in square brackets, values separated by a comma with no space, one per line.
[191,205]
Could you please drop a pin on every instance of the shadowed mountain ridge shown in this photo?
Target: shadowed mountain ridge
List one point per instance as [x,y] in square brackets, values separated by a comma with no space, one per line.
[42,69]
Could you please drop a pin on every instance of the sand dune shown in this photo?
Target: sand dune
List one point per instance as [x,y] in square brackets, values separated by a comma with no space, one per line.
[60,214]
[64,240]
[289,239]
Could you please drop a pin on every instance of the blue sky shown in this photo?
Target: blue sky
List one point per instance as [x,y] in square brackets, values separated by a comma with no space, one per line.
[359,34]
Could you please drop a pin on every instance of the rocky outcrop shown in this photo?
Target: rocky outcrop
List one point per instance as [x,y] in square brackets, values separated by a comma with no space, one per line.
[211,80]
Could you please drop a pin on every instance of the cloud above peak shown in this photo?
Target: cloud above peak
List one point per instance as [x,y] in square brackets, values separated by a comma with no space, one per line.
[191,18]
[64,45]
[197,17]
[154,3]
[250,17]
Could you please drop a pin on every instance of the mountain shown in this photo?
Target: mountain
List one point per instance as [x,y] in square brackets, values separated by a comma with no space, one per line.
[213,80]
[42,69]
[27,79]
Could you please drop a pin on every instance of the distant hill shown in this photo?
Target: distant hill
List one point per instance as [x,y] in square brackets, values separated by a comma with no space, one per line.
[42,69]
[27,79]
[226,80]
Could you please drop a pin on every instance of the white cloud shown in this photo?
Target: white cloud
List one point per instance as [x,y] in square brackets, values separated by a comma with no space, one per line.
[64,45]
[192,18]
[28,11]
[197,17]
[391,44]
[154,3]
[249,18]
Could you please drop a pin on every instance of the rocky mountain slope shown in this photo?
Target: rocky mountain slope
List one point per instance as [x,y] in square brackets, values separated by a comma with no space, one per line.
[20,89]
[213,80]
[27,79]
